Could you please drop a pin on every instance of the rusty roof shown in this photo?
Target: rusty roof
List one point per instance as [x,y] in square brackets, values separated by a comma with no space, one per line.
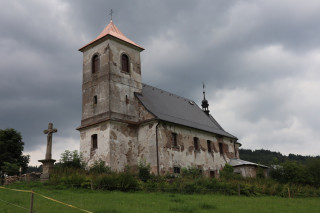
[113,31]
[179,110]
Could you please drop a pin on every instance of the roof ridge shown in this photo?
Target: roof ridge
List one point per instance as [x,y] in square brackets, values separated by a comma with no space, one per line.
[178,96]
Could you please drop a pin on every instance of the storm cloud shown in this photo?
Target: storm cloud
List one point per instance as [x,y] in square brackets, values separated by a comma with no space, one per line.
[259,60]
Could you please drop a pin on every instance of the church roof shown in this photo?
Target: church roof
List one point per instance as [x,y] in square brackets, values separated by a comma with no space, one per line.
[179,110]
[113,31]
[238,162]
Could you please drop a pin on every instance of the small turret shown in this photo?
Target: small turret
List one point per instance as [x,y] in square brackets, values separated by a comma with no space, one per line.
[205,104]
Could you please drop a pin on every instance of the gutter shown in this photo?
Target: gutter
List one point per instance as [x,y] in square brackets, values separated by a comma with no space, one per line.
[157,149]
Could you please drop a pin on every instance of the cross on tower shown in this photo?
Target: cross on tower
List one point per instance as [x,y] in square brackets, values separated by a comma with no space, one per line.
[49,131]
[110,14]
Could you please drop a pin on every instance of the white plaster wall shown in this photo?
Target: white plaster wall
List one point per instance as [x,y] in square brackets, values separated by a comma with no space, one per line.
[185,155]
[147,145]
[103,151]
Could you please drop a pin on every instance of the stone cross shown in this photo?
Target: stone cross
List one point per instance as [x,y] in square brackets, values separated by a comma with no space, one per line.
[49,131]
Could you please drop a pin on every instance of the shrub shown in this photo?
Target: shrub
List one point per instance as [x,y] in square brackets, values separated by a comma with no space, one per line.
[227,172]
[191,172]
[144,171]
[99,167]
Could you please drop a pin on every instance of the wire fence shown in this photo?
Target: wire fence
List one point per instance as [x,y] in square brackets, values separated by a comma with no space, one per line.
[32,200]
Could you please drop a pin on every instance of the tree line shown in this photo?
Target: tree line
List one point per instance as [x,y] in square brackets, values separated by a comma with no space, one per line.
[269,158]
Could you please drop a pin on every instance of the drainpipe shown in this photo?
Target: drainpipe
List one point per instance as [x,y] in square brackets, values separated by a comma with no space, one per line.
[157,149]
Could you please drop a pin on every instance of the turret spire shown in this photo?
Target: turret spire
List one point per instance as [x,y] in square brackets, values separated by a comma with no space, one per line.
[205,104]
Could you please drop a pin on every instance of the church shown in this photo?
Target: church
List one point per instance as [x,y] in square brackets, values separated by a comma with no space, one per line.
[125,121]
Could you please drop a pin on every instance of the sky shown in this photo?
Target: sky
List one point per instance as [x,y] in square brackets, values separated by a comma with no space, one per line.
[259,60]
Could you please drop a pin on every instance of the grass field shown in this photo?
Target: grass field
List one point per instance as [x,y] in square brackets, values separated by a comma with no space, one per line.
[140,202]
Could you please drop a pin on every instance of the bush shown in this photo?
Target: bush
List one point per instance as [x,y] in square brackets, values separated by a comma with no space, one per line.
[191,172]
[227,172]
[144,171]
[99,167]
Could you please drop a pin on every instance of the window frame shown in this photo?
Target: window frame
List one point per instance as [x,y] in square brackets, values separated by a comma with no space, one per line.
[174,139]
[176,170]
[196,144]
[95,100]
[209,146]
[221,148]
[125,64]
[94,141]
[95,64]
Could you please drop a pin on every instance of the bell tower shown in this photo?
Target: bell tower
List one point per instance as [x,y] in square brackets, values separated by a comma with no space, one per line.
[111,77]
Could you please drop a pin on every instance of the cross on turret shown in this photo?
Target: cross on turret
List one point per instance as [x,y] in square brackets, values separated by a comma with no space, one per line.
[110,14]
[205,104]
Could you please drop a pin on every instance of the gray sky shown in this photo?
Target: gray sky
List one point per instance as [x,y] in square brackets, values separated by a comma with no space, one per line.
[260,61]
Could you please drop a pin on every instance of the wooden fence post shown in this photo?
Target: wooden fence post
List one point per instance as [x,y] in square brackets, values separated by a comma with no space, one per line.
[31,202]
[289,193]
[238,188]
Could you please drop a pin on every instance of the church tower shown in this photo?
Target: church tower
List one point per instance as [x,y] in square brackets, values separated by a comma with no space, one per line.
[111,77]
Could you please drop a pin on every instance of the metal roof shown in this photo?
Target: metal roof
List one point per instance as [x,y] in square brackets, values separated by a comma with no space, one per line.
[239,162]
[179,110]
[112,30]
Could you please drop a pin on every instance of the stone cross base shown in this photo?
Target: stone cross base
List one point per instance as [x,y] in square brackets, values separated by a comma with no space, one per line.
[47,168]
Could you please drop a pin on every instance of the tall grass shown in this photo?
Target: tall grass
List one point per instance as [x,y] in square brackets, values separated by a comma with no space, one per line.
[142,202]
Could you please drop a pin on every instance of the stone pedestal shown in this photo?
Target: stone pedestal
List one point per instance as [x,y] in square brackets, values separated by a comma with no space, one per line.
[47,168]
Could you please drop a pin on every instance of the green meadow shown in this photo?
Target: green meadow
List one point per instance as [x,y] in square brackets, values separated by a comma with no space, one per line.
[140,202]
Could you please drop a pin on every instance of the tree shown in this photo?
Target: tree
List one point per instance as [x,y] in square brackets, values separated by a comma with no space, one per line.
[70,159]
[11,147]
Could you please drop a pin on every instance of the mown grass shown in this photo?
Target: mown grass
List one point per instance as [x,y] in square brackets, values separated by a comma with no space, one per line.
[140,202]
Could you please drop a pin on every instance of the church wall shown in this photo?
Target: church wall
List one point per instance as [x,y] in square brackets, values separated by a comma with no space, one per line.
[147,150]
[103,150]
[123,145]
[185,155]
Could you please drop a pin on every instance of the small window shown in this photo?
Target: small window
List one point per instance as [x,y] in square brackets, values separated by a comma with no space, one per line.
[174,139]
[95,64]
[176,170]
[209,146]
[94,141]
[212,174]
[95,100]
[125,63]
[221,148]
[196,143]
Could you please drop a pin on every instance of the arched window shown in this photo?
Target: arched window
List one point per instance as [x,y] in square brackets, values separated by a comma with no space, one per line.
[125,63]
[95,64]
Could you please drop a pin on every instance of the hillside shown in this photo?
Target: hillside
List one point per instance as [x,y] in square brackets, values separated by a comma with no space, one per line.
[267,157]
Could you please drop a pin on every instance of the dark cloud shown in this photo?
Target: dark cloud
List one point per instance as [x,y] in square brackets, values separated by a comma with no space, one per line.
[259,60]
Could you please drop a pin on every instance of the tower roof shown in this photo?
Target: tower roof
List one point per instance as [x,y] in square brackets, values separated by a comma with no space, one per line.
[113,31]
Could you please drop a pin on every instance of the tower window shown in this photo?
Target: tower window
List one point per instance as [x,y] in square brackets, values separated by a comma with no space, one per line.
[196,143]
[95,100]
[209,146]
[221,148]
[125,63]
[95,64]
[174,139]
[94,141]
